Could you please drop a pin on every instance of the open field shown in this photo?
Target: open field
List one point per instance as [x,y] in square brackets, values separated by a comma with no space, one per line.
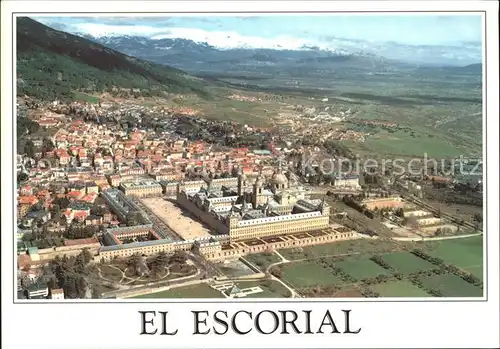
[79,96]
[465,253]
[183,224]
[399,288]
[360,246]
[361,268]
[309,274]
[406,263]
[194,291]
[451,285]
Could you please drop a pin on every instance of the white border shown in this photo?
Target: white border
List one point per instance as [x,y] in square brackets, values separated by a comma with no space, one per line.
[384,323]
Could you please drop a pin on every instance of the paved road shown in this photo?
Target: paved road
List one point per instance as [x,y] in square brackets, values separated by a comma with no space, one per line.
[437,238]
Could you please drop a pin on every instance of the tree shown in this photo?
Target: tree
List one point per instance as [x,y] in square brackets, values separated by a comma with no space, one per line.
[29,148]
[178,257]
[133,218]
[162,259]
[478,217]
[56,209]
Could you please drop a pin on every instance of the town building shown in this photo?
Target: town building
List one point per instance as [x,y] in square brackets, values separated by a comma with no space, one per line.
[57,293]
[141,188]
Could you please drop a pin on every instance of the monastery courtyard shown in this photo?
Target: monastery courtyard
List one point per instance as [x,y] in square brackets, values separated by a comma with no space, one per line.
[177,219]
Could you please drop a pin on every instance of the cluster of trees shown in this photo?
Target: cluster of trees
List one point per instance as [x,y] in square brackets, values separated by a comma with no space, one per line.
[175,262]
[379,279]
[70,274]
[368,293]
[415,280]
[338,149]
[448,268]
[276,271]
[421,254]
[343,275]
[50,76]
[134,218]
[378,259]
[80,232]
[349,201]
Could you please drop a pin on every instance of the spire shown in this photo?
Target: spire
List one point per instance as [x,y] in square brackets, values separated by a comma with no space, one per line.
[322,204]
[266,209]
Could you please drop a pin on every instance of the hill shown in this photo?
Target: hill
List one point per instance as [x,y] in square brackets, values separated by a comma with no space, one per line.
[54,64]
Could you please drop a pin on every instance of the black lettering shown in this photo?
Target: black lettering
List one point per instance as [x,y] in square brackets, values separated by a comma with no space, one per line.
[330,322]
[233,322]
[308,322]
[347,323]
[257,321]
[197,321]
[291,322]
[221,321]
[144,322]
[164,327]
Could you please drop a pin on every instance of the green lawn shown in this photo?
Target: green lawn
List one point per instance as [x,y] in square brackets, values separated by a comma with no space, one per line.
[399,288]
[361,268]
[406,263]
[359,246]
[308,274]
[451,285]
[466,253]
[85,97]
[193,291]
[433,144]
[262,260]
[111,273]
[271,289]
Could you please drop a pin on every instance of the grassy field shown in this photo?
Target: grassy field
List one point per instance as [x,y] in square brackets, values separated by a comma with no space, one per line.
[271,289]
[263,260]
[399,288]
[451,285]
[78,96]
[465,253]
[111,273]
[194,291]
[361,268]
[308,274]
[360,246]
[430,143]
[406,263]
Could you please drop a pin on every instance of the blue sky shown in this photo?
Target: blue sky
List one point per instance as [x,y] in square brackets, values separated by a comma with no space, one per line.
[367,32]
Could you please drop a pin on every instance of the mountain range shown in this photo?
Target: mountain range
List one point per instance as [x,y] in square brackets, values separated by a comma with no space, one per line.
[198,57]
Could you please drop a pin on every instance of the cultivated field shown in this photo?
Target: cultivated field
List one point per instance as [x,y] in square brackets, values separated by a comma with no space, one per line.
[399,289]
[352,247]
[309,274]
[345,268]
[451,286]
[406,263]
[361,268]
[465,253]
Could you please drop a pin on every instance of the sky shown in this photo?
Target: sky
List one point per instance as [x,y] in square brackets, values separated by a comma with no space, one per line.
[368,32]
